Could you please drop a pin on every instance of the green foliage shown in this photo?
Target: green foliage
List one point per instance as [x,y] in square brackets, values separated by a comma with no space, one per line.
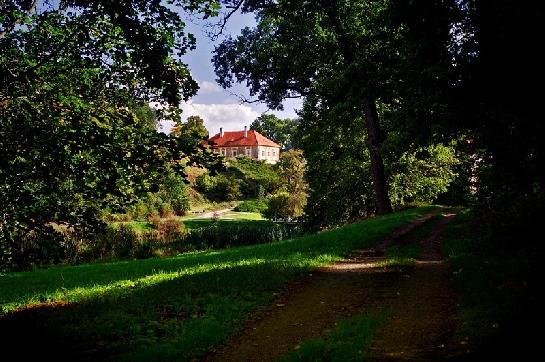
[220,187]
[338,165]
[191,133]
[226,187]
[278,206]
[289,202]
[179,307]
[244,177]
[171,198]
[292,167]
[173,191]
[252,206]
[285,206]
[205,183]
[233,234]
[257,177]
[76,136]
[278,130]
[422,175]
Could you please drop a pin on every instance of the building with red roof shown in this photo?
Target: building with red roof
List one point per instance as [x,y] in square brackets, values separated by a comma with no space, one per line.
[245,143]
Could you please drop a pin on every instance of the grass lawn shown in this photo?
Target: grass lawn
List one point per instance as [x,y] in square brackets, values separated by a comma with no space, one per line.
[200,223]
[176,308]
[237,215]
[407,249]
[191,222]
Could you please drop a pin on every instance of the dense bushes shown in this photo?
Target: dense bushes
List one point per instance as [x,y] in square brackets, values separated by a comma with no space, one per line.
[237,234]
[169,236]
[244,178]
[222,187]
[171,199]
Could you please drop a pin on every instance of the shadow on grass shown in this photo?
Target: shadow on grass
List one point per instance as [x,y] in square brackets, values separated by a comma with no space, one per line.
[172,319]
[163,309]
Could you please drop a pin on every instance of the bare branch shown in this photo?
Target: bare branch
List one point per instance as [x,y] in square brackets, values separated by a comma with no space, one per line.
[217,29]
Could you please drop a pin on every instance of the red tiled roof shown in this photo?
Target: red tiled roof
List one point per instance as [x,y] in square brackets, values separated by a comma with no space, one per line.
[236,138]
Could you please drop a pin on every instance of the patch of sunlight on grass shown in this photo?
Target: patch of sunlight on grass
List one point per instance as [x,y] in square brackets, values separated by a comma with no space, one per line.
[396,262]
[122,287]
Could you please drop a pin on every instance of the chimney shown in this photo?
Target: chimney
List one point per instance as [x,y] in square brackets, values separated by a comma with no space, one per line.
[221,132]
[245,131]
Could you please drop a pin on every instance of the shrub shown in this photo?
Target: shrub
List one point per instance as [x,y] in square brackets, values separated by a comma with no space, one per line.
[155,221]
[123,240]
[35,248]
[227,187]
[143,249]
[173,192]
[171,230]
[205,183]
[256,177]
[165,210]
[236,234]
[279,207]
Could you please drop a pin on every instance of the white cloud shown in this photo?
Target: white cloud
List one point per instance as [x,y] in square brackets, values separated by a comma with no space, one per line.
[207,87]
[230,116]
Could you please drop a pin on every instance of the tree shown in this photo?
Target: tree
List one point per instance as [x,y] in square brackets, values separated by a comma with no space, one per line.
[73,79]
[344,52]
[191,133]
[338,171]
[292,168]
[422,175]
[278,130]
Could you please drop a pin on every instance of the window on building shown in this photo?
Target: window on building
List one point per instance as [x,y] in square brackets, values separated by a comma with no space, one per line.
[263,153]
[234,153]
[269,153]
[222,152]
[274,153]
[249,152]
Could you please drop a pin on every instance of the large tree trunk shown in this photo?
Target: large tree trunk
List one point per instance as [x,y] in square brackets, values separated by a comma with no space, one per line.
[377,165]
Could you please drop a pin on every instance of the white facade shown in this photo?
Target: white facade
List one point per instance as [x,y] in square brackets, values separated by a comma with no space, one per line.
[263,153]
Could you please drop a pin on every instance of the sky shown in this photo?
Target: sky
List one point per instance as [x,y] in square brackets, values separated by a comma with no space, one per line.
[219,107]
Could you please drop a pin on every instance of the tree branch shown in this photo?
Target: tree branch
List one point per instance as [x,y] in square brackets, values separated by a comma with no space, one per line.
[215,32]
[29,10]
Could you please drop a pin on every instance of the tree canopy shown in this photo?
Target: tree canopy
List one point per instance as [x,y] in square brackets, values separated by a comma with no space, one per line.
[416,73]
[278,130]
[75,129]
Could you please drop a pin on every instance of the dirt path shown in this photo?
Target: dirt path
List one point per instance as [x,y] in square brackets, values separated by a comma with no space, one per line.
[419,298]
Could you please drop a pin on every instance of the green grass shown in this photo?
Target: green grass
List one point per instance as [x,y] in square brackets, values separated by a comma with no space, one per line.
[349,341]
[176,308]
[235,215]
[190,222]
[497,290]
[201,223]
[407,249]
